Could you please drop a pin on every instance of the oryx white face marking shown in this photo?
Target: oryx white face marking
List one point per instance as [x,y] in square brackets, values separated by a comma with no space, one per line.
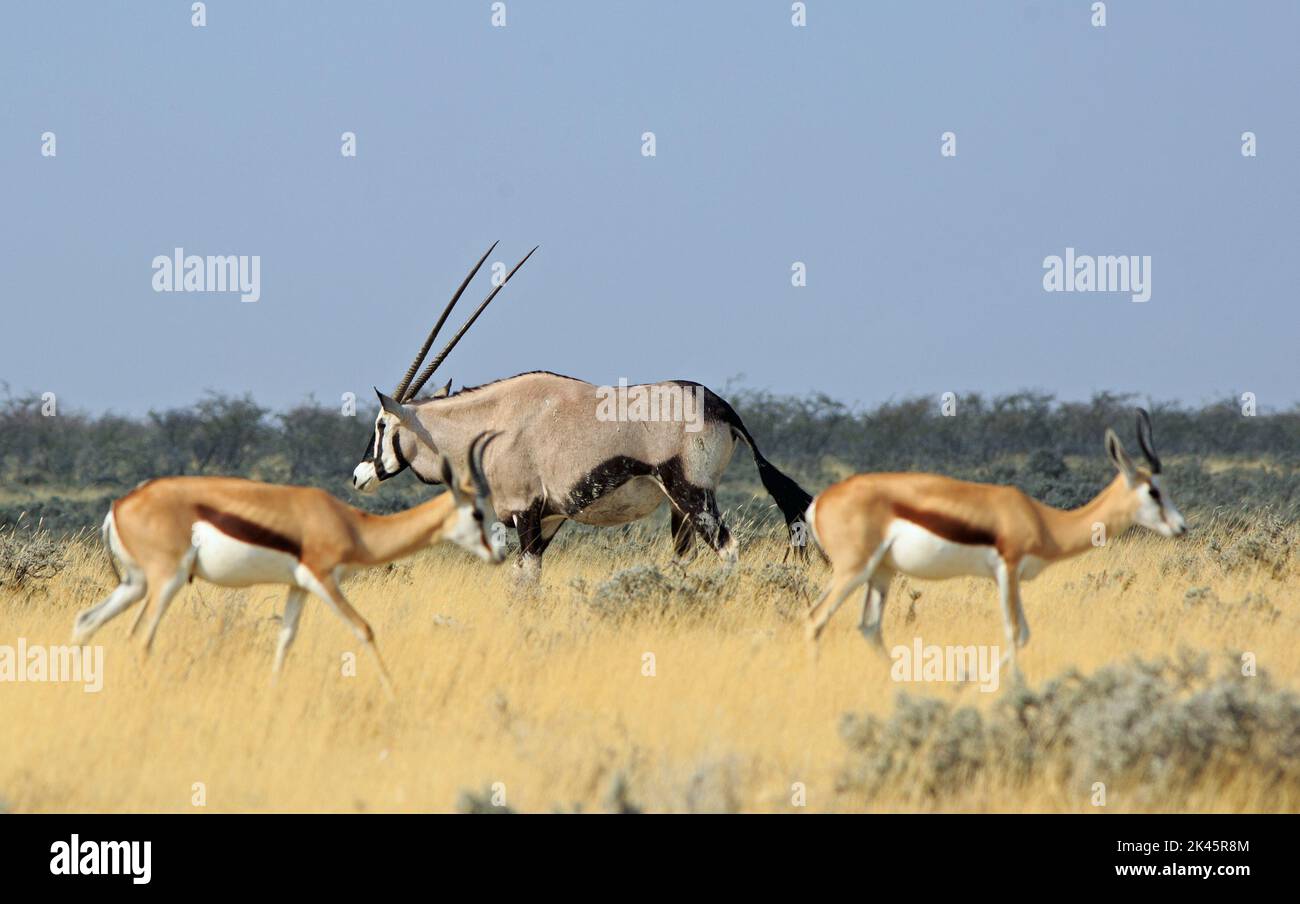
[383,459]
[364,478]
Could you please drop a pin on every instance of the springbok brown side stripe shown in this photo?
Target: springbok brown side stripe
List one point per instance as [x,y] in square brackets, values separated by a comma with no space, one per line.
[951,529]
[239,529]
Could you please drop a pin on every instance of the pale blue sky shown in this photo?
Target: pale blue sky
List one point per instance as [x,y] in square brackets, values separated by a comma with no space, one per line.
[775,144]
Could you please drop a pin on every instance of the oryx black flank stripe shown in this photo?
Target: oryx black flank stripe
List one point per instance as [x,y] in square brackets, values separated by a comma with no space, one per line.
[238,528]
[951,529]
[606,477]
[377,456]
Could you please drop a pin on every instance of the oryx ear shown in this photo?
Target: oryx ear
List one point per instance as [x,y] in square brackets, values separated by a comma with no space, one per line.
[443,391]
[391,405]
[1119,458]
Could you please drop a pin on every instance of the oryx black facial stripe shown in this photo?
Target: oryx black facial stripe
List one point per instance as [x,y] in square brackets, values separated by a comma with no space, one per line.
[375,454]
[402,463]
[380,472]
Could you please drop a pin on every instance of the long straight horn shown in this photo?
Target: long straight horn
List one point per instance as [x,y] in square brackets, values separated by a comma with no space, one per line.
[400,391]
[1144,440]
[433,365]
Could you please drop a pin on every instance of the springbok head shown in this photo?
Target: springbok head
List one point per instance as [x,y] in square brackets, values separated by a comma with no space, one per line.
[396,443]
[1150,504]
[474,527]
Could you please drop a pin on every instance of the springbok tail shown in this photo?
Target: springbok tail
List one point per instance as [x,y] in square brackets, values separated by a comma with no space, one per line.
[105,534]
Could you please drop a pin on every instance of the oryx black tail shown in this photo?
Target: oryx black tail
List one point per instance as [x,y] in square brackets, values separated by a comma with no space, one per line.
[790,498]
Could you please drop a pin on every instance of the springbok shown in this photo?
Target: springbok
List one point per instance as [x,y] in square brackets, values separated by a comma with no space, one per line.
[236,533]
[564,460]
[872,526]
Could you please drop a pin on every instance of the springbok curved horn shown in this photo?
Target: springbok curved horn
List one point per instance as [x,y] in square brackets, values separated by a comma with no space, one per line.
[433,365]
[1144,440]
[476,450]
[399,392]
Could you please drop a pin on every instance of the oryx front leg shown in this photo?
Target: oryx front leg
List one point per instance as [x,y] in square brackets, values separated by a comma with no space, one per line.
[535,534]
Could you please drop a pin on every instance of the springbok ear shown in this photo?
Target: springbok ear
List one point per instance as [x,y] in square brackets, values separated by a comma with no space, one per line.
[443,391]
[391,405]
[1119,458]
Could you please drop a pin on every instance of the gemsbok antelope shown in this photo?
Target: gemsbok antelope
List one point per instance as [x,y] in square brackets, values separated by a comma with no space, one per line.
[873,526]
[562,460]
[236,533]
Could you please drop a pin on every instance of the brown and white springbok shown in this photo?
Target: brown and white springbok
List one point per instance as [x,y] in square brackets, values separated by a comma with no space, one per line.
[873,526]
[236,533]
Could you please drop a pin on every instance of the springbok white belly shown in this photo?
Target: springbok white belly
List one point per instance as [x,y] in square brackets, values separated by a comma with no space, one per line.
[223,560]
[923,554]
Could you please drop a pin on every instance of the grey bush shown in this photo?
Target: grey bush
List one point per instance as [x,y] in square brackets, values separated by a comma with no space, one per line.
[1164,726]
[29,556]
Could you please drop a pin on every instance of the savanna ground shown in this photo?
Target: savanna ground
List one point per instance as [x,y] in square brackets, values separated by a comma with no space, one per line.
[543,696]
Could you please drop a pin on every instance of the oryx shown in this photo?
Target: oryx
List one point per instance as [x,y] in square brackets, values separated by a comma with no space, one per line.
[570,450]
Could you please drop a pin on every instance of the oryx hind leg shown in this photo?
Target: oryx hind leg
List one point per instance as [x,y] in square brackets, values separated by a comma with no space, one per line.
[681,533]
[699,506]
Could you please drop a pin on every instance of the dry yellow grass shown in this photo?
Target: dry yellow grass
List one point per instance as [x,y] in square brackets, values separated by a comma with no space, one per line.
[544,695]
